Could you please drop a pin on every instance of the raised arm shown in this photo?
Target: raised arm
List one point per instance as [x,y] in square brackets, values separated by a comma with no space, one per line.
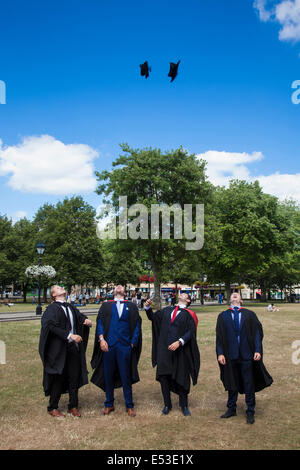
[157,316]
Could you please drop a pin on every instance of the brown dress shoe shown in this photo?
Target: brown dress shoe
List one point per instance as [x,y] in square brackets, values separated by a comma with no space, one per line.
[74,412]
[131,412]
[56,413]
[107,410]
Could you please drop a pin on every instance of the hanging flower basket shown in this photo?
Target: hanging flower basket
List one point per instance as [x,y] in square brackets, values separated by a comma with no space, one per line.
[146,278]
[35,271]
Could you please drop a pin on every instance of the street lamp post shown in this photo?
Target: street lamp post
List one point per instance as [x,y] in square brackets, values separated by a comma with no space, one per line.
[201,277]
[40,248]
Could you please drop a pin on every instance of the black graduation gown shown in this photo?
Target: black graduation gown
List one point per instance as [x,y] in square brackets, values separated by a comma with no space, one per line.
[261,377]
[184,363]
[97,356]
[53,343]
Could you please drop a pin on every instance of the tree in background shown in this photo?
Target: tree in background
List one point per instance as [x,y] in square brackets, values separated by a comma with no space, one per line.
[21,252]
[254,233]
[121,265]
[147,177]
[72,246]
[6,268]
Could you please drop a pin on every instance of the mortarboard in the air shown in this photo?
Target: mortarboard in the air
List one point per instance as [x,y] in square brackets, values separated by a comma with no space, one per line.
[145,69]
[173,70]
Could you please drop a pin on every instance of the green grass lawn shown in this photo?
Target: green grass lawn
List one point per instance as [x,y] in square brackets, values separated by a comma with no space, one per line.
[29,307]
[25,424]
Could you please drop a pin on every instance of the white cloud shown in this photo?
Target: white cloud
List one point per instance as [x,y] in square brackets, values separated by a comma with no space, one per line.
[261,6]
[284,12]
[42,164]
[225,166]
[18,215]
[284,186]
[288,15]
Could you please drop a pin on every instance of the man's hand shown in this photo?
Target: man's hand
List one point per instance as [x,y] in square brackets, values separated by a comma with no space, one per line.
[132,345]
[76,338]
[174,346]
[87,322]
[221,359]
[103,345]
[257,356]
[148,303]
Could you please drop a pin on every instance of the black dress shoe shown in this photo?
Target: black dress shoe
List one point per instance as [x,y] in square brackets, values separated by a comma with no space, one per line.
[250,419]
[185,411]
[166,410]
[228,414]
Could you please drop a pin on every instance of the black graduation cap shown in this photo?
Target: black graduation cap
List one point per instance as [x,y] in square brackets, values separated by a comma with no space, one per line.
[145,69]
[173,70]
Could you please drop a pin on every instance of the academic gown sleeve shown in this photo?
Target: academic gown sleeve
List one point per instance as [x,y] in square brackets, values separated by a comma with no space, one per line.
[156,319]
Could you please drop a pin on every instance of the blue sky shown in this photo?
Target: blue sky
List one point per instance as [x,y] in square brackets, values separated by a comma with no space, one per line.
[71,70]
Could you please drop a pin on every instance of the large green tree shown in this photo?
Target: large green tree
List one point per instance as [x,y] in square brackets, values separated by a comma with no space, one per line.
[6,268]
[68,230]
[152,177]
[253,232]
[21,252]
[121,265]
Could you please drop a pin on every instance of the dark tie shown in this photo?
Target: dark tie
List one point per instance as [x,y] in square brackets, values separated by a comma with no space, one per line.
[66,305]
[236,321]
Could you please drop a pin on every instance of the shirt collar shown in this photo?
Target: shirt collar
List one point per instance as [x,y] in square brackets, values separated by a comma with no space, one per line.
[232,307]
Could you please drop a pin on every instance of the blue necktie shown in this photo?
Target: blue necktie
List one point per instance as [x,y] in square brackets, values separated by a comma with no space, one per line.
[236,322]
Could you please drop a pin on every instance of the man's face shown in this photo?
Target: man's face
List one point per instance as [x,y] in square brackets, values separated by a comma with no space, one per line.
[119,290]
[58,291]
[183,298]
[235,297]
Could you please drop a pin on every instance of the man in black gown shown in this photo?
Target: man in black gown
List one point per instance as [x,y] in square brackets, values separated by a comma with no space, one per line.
[239,336]
[175,351]
[62,347]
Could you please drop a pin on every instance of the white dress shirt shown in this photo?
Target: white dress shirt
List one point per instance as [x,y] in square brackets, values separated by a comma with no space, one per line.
[119,306]
[71,318]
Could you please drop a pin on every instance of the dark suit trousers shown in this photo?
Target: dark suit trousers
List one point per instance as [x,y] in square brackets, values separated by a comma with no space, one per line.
[118,356]
[165,383]
[70,375]
[243,371]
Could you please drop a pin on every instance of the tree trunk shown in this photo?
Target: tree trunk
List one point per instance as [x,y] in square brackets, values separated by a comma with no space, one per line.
[157,299]
[24,290]
[45,294]
[228,291]
[263,291]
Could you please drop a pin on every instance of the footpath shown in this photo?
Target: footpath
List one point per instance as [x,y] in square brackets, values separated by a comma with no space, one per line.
[91,310]
[22,316]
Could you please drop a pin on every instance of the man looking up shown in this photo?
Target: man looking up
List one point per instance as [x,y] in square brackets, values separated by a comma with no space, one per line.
[174,350]
[239,337]
[117,349]
[62,347]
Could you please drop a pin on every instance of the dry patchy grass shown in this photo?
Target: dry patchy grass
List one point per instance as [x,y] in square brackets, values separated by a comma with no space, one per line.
[25,424]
